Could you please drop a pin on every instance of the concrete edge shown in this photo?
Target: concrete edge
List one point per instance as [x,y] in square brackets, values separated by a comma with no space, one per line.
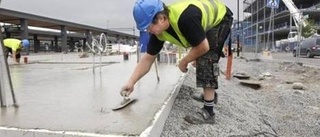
[311,66]
[157,124]
[44,132]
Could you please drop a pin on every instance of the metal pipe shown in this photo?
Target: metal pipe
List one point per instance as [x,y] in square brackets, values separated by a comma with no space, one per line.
[2,90]
[238,41]
[257,31]
[6,72]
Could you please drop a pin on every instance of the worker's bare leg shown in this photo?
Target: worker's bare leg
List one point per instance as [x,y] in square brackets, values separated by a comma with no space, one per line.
[208,93]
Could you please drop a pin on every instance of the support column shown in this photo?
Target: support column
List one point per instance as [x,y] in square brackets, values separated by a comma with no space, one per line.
[64,46]
[56,46]
[71,45]
[87,40]
[52,47]
[127,41]
[117,39]
[6,32]
[24,33]
[84,47]
[36,45]
[88,37]
[118,43]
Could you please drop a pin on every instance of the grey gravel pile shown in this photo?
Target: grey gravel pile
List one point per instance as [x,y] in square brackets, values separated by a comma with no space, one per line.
[274,110]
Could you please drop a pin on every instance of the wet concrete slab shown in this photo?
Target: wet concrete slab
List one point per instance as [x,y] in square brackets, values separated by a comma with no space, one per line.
[62,95]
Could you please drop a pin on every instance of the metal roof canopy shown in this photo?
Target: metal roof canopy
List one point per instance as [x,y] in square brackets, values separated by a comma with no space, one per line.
[13,17]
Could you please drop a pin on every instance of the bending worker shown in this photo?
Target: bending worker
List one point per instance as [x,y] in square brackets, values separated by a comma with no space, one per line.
[201,25]
[14,47]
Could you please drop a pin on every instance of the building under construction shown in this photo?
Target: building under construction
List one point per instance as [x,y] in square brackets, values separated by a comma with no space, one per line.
[263,26]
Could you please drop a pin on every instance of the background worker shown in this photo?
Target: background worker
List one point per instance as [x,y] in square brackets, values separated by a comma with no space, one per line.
[202,26]
[14,47]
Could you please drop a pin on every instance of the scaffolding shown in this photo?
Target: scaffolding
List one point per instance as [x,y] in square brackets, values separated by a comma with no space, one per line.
[267,27]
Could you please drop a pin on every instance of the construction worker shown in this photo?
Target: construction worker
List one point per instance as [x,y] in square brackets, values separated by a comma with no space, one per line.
[14,47]
[201,25]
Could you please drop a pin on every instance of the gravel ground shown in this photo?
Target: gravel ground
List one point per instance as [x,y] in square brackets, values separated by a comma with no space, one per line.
[276,109]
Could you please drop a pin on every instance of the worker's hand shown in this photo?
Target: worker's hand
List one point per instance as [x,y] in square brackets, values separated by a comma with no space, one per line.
[183,66]
[127,89]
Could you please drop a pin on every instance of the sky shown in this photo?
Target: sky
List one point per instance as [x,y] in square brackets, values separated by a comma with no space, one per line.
[111,14]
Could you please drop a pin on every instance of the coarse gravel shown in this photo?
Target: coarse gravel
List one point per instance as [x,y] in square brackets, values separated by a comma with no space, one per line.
[276,109]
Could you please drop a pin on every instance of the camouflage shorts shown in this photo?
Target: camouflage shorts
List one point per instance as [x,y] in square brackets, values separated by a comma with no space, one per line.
[207,65]
[9,50]
[206,76]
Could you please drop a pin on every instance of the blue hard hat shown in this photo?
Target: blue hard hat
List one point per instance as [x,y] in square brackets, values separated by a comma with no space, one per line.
[144,12]
[25,43]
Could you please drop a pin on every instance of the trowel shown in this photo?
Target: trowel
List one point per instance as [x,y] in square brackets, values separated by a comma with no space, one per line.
[125,102]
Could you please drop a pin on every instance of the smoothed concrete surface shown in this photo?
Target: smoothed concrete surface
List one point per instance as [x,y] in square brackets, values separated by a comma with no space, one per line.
[57,98]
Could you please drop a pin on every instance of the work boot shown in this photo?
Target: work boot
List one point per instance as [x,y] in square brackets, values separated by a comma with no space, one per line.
[201,117]
[200,98]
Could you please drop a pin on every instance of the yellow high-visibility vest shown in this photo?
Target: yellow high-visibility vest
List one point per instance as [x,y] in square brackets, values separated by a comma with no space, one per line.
[14,44]
[213,12]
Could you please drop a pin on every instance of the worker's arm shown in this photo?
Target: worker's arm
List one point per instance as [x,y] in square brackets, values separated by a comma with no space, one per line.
[14,57]
[140,70]
[193,54]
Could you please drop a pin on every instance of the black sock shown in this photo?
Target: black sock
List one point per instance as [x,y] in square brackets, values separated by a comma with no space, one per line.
[208,105]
